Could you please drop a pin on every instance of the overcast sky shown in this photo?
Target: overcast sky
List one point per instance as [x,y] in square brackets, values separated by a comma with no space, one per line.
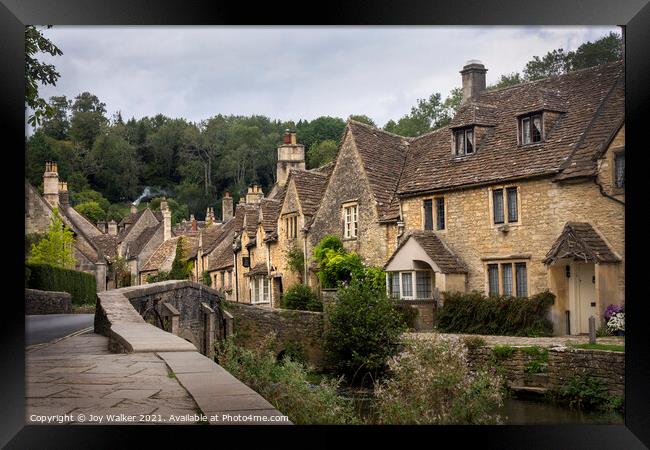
[287,73]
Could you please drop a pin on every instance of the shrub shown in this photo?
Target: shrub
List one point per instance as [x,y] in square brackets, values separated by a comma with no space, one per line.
[475,313]
[502,352]
[474,342]
[181,266]
[430,383]
[538,361]
[285,384]
[56,248]
[363,330]
[91,211]
[205,278]
[296,261]
[301,297]
[80,285]
[586,392]
[160,276]
[408,313]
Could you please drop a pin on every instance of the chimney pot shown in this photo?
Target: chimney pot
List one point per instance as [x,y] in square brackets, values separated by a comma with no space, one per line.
[287,137]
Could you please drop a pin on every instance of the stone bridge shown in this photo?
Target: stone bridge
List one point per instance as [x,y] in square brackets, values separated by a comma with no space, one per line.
[190,313]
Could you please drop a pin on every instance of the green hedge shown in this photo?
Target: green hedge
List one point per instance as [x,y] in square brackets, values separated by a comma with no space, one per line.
[475,313]
[80,285]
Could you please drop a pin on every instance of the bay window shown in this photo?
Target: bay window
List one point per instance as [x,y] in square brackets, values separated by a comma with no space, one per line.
[410,285]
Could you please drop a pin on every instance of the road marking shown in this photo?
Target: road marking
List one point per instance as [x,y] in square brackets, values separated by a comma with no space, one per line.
[35,347]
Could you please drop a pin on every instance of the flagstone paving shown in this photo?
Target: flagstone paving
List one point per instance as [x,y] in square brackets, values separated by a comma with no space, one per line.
[77,380]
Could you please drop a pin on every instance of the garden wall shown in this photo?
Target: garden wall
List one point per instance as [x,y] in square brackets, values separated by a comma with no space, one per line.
[47,302]
[296,331]
[563,364]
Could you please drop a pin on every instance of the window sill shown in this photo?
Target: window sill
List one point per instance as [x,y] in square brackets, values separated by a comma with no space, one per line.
[350,239]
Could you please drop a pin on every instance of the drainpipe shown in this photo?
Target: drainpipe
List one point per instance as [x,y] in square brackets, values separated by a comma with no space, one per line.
[605,194]
[305,278]
[234,259]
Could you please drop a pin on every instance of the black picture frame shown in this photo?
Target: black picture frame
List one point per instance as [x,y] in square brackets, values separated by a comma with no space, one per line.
[633,14]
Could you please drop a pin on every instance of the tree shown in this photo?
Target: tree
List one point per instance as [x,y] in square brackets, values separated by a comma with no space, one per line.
[57,246]
[91,211]
[37,72]
[511,79]
[113,167]
[322,153]
[88,120]
[428,115]
[57,124]
[89,195]
[179,211]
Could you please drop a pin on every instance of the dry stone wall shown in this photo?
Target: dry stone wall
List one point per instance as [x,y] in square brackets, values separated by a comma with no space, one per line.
[47,302]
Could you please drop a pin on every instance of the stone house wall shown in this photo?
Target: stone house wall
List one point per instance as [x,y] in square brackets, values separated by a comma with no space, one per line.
[348,183]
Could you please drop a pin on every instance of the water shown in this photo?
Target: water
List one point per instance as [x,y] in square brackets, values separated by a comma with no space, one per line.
[515,411]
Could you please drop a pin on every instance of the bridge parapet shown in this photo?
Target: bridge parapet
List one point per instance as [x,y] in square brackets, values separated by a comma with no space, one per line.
[134,317]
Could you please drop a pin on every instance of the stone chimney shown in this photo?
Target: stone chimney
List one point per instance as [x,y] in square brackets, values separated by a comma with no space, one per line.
[254,194]
[473,75]
[51,184]
[64,199]
[167,220]
[291,155]
[112,228]
[134,208]
[101,226]
[226,207]
[209,216]
[193,222]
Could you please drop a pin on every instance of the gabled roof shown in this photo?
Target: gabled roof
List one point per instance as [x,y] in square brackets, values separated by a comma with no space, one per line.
[131,218]
[579,240]
[269,212]
[310,186]
[164,255]
[135,247]
[474,113]
[251,218]
[583,95]
[383,155]
[439,253]
[107,244]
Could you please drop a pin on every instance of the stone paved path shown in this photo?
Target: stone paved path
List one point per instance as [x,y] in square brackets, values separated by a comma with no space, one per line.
[77,380]
[554,341]
[79,376]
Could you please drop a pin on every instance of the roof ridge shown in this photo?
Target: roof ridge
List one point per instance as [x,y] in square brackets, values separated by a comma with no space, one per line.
[595,116]
[599,66]
[378,129]
[415,138]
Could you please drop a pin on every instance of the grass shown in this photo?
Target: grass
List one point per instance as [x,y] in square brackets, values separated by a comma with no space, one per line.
[171,375]
[609,347]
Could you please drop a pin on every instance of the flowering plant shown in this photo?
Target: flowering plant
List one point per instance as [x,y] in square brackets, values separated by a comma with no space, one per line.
[616,322]
[611,310]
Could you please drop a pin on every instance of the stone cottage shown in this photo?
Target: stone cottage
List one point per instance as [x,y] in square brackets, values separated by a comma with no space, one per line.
[522,192]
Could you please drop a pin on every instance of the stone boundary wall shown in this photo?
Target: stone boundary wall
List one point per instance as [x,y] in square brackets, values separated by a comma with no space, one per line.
[47,302]
[135,317]
[563,364]
[300,331]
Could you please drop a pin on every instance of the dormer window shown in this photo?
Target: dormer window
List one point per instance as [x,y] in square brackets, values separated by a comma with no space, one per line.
[530,129]
[464,141]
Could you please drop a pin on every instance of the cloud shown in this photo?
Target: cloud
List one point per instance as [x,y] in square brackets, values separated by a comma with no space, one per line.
[286,73]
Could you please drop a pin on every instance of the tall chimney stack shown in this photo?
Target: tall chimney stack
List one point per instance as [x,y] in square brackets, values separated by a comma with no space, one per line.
[64,199]
[254,194]
[226,207]
[134,208]
[473,75]
[101,225]
[167,220]
[291,155]
[112,228]
[193,222]
[51,184]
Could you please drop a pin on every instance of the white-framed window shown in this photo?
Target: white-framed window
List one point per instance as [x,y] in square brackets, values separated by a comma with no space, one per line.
[260,290]
[531,129]
[350,221]
[507,278]
[414,284]
[464,141]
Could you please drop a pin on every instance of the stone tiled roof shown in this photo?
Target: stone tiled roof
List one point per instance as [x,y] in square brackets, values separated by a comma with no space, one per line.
[138,244]
[131,218]
[595,141]
[431,166]
[107,244]
[270,210]
[310,186]
[222,256]
[383,155]
[164,255]
[579,240]
[259,269]
[474,113]
[446,260]
[252,218]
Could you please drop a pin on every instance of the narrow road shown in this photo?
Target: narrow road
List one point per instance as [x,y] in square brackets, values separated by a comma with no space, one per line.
[47,327]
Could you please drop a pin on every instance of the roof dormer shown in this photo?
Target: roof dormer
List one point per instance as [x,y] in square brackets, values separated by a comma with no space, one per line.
[470,124]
